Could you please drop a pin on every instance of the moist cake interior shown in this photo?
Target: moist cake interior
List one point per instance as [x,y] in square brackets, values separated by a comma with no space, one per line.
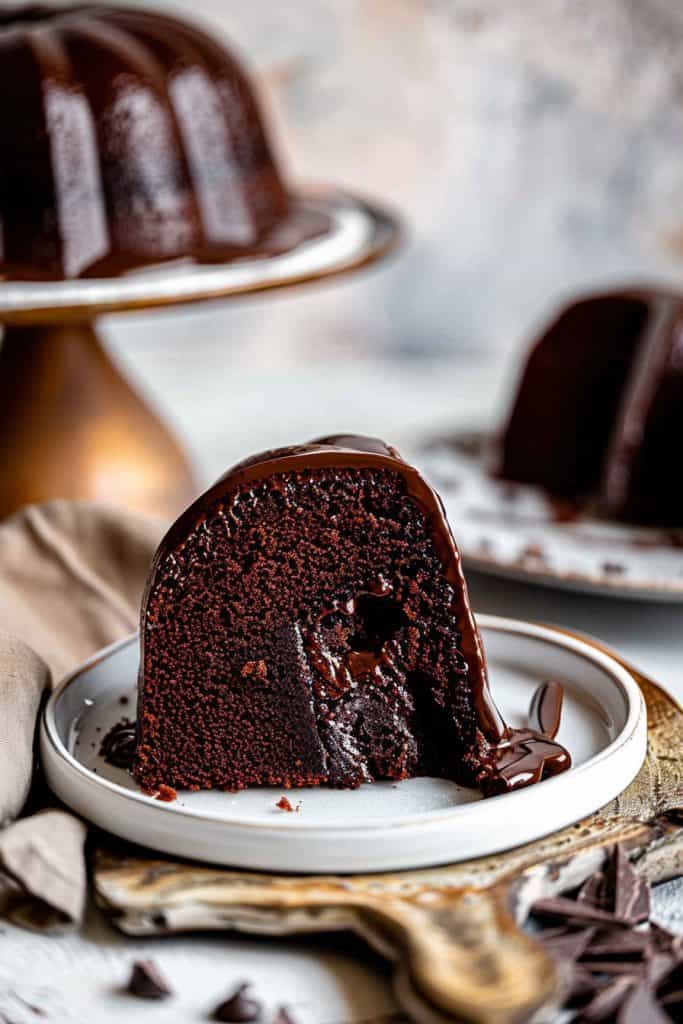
[304,632]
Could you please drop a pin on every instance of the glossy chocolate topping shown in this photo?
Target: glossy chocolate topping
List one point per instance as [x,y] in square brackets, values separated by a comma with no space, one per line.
[354,450]
[132,137]
[506,758]
[546,709]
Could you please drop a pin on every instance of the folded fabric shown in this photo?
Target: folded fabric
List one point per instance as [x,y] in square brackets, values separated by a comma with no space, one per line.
[71,578]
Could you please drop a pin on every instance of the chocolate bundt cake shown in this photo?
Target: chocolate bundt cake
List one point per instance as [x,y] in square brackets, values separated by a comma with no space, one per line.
[597,407]
[306,622]
[127,138]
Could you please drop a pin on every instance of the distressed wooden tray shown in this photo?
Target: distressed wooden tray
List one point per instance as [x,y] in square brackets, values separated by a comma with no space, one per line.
[452,932]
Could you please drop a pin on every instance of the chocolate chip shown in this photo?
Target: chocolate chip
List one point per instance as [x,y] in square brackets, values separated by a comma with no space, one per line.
[238,1007]
[571,910]
[283,1017]
[147,982]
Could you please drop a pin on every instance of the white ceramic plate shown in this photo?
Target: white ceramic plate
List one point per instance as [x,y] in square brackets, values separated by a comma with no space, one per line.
[513,531]
[379,827]
[359,232]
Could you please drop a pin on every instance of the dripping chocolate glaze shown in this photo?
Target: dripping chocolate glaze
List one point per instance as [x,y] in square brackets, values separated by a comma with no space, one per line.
[517,756]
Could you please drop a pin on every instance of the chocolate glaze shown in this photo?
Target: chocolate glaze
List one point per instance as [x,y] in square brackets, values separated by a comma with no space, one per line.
[597,405]
[545,710]
[132,138]
[516,757]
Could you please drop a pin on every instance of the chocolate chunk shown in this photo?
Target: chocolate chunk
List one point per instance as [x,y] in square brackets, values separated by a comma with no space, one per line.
[606,1002]
[238,1007]
[593,891]
[619,944]
[283,1017]
[572,910]
[546,708]
[630,893]
[615,967]
[640,1007]
[147,982]
[582,985]
[118,746]
[569,946]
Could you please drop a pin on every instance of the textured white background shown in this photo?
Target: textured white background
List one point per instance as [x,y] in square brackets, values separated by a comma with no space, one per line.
[535,147]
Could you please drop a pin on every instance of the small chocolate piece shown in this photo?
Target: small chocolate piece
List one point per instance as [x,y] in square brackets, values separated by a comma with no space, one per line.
[147,982]
[118,746]
[571,910]
[606,1002]
[640,1007]
[619,944]
[546,708]
[582,986]
[570,945]
[283,1017]
[238,1007]
[593,891]
[630,893]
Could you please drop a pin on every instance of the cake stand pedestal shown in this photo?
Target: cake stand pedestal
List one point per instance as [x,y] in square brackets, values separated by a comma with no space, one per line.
[71,426]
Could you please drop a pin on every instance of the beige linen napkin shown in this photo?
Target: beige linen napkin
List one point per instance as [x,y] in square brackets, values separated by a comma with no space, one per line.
[71,577]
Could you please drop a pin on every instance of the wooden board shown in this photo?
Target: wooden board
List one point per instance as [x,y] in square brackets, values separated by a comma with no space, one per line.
[452,932]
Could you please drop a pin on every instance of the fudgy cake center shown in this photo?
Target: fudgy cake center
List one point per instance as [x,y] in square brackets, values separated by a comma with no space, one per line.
[304,632]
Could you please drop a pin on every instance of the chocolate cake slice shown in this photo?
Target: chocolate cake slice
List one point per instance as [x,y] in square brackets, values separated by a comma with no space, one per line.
[306,622]
[598,405]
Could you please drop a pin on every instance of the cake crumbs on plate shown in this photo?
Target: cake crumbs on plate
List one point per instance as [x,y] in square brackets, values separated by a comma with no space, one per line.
[285,805]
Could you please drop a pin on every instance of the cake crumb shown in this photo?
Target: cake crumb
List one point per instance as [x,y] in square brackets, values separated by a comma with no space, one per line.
[284,804]
[255,668]
[166,794]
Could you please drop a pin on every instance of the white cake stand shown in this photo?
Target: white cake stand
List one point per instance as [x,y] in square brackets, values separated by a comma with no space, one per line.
[72,426]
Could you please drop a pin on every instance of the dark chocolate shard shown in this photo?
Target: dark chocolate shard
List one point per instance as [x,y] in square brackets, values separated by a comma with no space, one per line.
[282,1016]
[612,968]
[619,944]
[607,1001]
[631,894]
[593,891]
[571,910]
[147,981]
[582,986]
[640,1007]
[569,946]
[545,709]
[238,1008]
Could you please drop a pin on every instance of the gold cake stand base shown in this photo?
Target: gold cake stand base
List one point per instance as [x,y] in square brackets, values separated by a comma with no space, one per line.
[71,426]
